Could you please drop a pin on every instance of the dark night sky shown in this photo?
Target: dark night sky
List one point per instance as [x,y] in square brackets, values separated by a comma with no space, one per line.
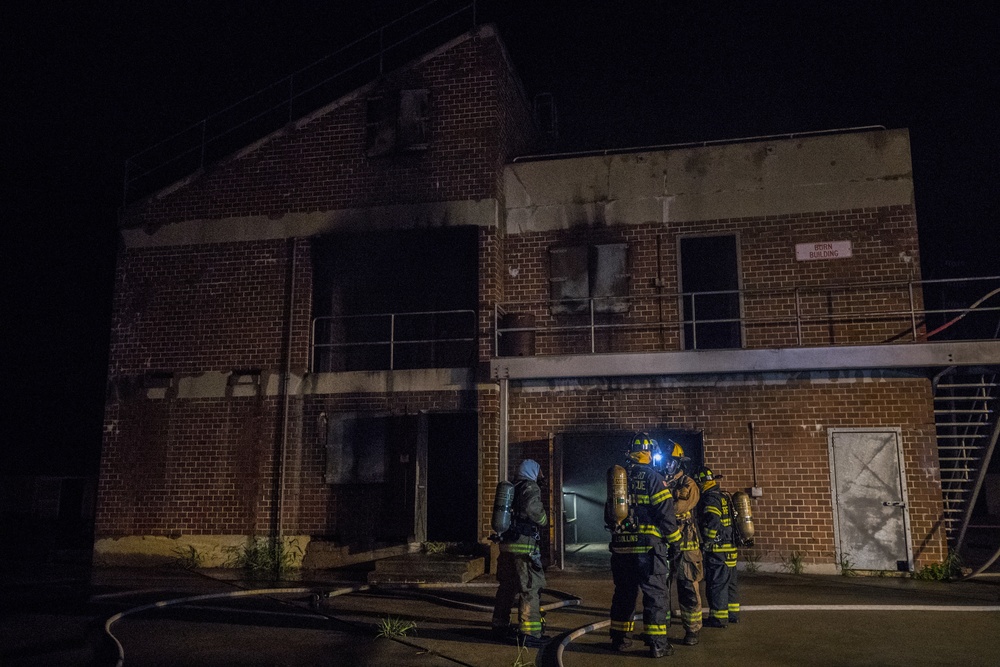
[85,88]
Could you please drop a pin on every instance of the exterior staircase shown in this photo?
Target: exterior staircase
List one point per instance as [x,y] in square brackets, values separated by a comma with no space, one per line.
[965,415]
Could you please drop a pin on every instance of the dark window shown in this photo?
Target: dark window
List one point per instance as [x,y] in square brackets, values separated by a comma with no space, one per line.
[403,299]
[710,296]
[579,274]
[397,122]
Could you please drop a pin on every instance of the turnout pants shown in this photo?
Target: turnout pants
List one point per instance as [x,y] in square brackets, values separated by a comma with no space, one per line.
[690,572]
[520,579]
[721,585]
[649,573]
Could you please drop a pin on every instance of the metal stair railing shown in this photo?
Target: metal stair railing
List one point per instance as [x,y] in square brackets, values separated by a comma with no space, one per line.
[965,415]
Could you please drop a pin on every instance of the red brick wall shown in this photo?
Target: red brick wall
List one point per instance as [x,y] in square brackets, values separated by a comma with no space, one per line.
[196,467]
[477,120]
[791,423]
[219,307]
[202,466]
[769,272]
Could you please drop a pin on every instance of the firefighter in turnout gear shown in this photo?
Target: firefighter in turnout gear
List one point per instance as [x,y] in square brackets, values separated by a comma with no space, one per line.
[640,546]
[688,566]
[519,565]
[719,538]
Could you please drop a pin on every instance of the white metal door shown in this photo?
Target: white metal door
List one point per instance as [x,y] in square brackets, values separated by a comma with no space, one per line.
[871,520]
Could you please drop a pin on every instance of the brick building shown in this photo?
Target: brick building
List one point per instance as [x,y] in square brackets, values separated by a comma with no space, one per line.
[343,332]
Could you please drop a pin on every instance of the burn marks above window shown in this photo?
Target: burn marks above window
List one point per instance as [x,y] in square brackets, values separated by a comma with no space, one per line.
[581,274]
[397,122]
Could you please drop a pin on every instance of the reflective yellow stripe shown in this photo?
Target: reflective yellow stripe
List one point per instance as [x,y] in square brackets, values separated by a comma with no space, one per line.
[647,529]
[630,550]
[623,626]
[518,547]
[674,536]
[734,607]
[721,614]
[711,509]
[661,496]
[656,630]
[530,627]
[641,500]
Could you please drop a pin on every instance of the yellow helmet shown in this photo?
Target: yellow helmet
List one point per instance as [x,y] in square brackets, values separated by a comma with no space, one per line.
[706,478]
[644,449]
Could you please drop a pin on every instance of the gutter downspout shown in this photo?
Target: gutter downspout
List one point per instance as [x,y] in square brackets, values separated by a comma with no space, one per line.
[285,398]
[504,411]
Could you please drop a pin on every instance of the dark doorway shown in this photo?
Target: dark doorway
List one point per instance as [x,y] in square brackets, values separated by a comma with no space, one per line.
[709,285]
[452,478]
[586,458]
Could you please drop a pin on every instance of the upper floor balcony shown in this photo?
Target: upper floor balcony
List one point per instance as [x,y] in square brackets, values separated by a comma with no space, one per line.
[864,324]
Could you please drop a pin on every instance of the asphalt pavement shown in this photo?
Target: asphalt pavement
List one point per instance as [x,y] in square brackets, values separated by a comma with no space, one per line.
[76,615]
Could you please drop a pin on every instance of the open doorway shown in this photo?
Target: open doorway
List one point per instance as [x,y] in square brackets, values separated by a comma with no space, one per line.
[452,477]
[586,458]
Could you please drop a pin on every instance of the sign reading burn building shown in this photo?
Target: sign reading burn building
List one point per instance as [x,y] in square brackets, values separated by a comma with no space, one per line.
[823,250]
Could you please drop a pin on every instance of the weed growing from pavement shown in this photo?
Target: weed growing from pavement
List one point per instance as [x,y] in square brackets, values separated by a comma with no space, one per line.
[950,569]
[847,566]
[188,558]
[435,547]
[260,557]
[794,563]
[393,628]
[521,649]
[751,560]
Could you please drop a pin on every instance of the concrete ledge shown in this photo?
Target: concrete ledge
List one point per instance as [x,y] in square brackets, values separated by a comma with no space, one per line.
[427,568]
[331,555]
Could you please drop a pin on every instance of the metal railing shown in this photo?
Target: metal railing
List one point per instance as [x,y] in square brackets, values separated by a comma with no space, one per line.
[303,91]
[864,313]
[393,341]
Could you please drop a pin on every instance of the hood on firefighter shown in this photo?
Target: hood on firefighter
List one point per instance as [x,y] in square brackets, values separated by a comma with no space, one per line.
[529,469]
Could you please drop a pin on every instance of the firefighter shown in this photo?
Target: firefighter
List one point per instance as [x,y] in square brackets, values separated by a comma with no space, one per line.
[640,546]
[519,565]
[719,541]
[688,568]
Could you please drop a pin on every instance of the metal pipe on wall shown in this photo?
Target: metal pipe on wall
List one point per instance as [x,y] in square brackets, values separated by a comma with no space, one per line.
[502,454]
[285,382]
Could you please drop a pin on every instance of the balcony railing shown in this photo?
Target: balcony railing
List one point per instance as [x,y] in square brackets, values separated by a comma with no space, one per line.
[870,313]
[393,341]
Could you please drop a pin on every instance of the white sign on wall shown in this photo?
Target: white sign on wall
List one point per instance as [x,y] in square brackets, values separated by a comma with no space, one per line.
[823,250]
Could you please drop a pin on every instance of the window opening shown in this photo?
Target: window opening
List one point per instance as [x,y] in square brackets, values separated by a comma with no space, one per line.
[710,292]
[581,274]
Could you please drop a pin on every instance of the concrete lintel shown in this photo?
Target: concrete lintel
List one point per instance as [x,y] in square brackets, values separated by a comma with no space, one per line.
[482,213]
[911,355]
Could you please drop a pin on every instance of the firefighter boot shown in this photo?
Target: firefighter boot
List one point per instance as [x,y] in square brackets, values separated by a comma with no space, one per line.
[621,644]
[661,650]
[690,638]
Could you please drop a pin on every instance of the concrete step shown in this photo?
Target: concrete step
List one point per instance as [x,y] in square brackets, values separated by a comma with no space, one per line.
[330,555]
[423,568]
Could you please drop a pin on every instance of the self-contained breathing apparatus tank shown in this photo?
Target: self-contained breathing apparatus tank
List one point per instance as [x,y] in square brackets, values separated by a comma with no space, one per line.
[618,494]
[503,507]
[742,518]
